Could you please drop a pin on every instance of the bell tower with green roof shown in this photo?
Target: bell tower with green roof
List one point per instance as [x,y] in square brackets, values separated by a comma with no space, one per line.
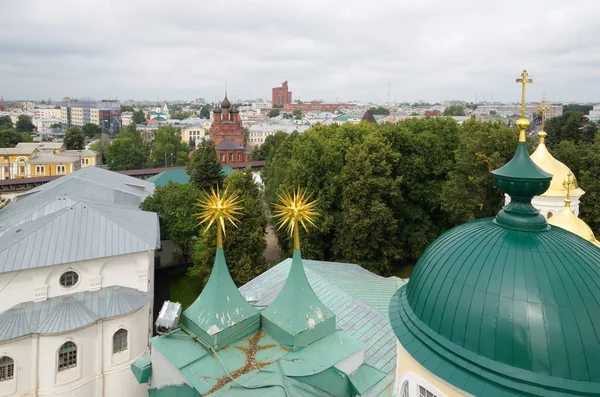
[220,315]
[297,317]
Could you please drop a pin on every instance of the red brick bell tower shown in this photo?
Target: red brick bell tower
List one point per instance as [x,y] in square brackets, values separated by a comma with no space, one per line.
[227,132]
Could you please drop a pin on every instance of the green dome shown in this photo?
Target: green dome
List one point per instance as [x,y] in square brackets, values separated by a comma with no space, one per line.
[507,305]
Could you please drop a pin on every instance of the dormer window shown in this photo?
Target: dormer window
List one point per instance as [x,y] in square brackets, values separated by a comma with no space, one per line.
[69,279]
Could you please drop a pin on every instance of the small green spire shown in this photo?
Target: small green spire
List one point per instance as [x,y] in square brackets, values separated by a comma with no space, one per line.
[221,315]
[297,317]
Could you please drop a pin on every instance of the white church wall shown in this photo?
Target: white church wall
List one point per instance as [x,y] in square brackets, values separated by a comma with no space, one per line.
[133,271]
[20,351]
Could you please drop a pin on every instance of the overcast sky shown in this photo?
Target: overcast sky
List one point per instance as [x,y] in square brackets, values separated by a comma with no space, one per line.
[427,49]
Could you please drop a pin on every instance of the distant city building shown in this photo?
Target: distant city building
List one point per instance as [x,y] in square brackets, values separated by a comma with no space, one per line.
[316,107]
[281,96]
[594,113]
[105,113]
[227,132]
[193,134]
[513,109]
[38,159]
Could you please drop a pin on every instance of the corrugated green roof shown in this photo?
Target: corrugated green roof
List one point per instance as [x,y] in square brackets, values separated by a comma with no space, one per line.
[296,317]
[220,315]
[175,175]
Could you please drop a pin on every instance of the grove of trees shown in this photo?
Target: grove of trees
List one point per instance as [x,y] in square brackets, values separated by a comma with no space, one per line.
[386,191]
[9,136]
[74,139]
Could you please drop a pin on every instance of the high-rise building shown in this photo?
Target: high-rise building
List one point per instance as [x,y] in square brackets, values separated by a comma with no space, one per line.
[281,95]
[105,113]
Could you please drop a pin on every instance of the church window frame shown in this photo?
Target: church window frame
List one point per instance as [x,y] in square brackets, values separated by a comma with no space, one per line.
[69,279]
[230,156]
[120,340]
[61,169]
[67,356]
[40,169]
[7,368]
[223,157]
[405,389]
[423,392]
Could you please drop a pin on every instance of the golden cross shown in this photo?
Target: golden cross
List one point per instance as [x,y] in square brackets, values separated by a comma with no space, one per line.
[524,81]
[568,184]
[543,109]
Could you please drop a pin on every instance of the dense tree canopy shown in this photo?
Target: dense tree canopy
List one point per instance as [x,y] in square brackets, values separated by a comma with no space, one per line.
[269,146]
[101,146]
[274,113]
[24,124]
[138,117]
[204,169]
[167,149]
[5,121]
[454,110]
[9,137]
[175,207]
[74,139]
[128,151]
[386,191]
[205,111]
[244,244]
[126,108]
[91,130]
[380,110]
[571,126]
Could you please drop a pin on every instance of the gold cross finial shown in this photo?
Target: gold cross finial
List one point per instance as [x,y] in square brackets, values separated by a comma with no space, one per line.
[218,207]
[294,208]
[569,184]
[524,81]
[543,110]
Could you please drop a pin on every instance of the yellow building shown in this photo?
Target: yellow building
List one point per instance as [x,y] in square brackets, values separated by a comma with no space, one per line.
[193,133]
[39,159]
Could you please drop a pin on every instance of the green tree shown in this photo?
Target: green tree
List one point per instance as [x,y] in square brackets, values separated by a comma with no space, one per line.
[101,146]
[24,124]
[125,153]
[91,130]
[5,121]
[74,139]
[270,145]
[454,110]
[204,169]
[175,207]
[10,138]
[167,148]
[568,127]
[205,111]
[139,117]
[470,192]
[55,126]
[297,114]
[274,113]
[244,244]
[126,108]
[288,116]
[367,231]
[570,108]
[380,110]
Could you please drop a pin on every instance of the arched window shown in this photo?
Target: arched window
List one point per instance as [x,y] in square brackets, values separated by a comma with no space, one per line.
[67,356]
[404,390]
[61,169]
[230,156]
[120,341]
[7,368]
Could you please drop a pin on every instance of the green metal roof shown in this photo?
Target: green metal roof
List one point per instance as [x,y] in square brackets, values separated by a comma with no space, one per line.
[220,315]
[175,175]
[226,170]
[297,318]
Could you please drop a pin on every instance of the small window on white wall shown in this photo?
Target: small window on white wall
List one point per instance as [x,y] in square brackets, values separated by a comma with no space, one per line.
[68,279]
[423,392]
[404,390]
[7,368]
[120,341]
[67,356]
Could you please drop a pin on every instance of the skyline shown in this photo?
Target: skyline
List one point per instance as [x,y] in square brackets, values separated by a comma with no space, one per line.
[326,50]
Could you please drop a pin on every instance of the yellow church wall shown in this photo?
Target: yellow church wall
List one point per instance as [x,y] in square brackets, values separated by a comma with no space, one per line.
[50,169]
[409,370]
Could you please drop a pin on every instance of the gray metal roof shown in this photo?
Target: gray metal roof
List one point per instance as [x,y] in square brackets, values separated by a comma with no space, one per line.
[79,232]
[228,144]
[40,145]
[67,313]
[359,300]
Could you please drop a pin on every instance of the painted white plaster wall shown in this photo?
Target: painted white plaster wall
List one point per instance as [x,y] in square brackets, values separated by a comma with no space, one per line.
[133,271]
[98,373]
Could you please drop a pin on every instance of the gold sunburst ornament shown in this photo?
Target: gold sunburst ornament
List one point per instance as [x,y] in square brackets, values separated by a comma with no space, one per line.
[219,208]
[295,207]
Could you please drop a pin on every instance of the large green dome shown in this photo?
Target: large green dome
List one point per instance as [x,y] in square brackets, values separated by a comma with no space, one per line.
[506,306]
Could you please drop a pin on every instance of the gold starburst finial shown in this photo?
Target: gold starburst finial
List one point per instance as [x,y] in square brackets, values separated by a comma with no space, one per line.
[523,123]
[295,207]
[219,208]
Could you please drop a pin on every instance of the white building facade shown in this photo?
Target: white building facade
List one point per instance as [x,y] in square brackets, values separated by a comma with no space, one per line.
[76,283]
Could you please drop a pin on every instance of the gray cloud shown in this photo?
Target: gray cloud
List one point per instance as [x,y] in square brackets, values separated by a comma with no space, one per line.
[351,49]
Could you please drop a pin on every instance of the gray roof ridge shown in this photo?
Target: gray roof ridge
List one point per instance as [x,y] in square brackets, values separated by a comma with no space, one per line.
[41,221]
